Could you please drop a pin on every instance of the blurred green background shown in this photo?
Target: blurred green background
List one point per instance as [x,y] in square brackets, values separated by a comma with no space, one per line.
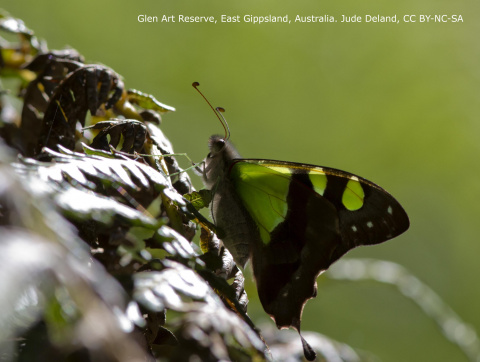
[395,103]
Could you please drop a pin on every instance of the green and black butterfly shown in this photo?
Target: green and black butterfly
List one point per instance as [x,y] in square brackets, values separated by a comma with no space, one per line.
[293,221]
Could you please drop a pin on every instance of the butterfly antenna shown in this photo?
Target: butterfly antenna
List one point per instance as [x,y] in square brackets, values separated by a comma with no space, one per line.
[218,112]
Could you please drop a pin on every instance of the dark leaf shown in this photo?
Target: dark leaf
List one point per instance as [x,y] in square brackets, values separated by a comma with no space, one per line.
[221,267]
[69,104]
[130,134]
[176,287]
[104,198]
[51,69]
[174,244]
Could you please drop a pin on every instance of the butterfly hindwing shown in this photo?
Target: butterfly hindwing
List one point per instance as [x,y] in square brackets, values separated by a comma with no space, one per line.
[307,216]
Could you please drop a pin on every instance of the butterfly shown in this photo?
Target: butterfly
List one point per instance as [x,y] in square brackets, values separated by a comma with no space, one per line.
[292,220]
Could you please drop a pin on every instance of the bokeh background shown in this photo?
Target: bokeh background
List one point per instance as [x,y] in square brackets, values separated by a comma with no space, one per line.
[395,103]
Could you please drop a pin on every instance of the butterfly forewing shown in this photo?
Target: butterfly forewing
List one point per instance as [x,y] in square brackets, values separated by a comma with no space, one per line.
[367,213]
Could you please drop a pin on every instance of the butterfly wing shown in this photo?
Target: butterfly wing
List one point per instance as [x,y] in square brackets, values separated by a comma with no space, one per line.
[307,217]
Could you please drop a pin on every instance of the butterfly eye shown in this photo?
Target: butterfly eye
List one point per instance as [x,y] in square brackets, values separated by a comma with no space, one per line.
[217,146]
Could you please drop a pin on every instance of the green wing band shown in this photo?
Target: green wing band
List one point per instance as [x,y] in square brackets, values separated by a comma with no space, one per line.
[353,195]
[262,189]
[318,179]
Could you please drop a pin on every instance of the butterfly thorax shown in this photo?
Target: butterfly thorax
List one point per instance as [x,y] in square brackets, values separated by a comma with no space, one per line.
[228,213]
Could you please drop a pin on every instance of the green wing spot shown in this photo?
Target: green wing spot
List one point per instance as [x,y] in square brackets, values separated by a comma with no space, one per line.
[353,195]
[263,191]
[318,179]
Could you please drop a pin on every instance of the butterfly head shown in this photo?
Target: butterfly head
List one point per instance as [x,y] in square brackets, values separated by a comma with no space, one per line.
[216,144]
[222,152]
